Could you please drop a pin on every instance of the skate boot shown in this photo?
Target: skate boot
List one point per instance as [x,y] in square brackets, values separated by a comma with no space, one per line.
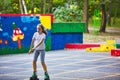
[34,77]
[46,76]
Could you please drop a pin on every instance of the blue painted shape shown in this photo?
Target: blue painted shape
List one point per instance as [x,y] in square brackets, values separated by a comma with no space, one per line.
[68,38]
[60,39]
[1,26]
[57,41]
[29,19]
[24,28]
[1,29]
[5,33]
[77,38]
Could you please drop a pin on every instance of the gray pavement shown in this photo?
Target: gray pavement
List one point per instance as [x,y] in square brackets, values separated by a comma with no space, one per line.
[63,65]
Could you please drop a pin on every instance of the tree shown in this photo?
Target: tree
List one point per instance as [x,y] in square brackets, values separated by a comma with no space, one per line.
[20,7]
[50,6]
[43,6]
[103,22]
[23,8]
[33,6]
[68,13]
[6,6]
[115,15]
[85,16]
[115,12]
[109,13]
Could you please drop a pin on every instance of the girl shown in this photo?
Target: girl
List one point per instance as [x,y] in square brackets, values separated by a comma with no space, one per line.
[38,46]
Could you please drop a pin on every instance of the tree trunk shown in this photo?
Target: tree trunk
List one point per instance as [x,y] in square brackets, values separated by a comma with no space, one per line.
[109,14]
[50,6]
[33,6]
[24,6]
[44,6]
[114,19]
[20,7]
[41,6]
[103,22]
[85,16]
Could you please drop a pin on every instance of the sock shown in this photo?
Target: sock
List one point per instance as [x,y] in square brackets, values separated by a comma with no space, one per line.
[46,75]
[34,73]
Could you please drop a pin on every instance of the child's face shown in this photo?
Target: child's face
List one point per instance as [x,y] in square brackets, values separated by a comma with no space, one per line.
[39,29]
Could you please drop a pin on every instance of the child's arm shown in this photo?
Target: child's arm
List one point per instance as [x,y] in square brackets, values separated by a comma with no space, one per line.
[32,43]
[41,41]
[31,50]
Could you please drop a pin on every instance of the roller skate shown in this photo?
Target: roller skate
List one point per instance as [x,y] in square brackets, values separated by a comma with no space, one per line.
[34,77]
[46,76]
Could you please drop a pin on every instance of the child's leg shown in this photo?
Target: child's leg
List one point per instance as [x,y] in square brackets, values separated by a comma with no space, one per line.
[34,67]
[43,64]
[36,54]
[42,57]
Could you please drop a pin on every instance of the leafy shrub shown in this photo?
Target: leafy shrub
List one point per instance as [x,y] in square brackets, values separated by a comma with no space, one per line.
[67,13]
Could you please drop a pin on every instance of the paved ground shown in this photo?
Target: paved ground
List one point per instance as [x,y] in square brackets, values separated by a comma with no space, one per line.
[63,65]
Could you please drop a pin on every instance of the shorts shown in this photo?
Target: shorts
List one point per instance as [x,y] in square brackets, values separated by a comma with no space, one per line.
[41,53]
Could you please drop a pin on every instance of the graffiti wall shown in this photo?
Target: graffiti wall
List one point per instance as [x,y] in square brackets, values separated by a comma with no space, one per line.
[16,31]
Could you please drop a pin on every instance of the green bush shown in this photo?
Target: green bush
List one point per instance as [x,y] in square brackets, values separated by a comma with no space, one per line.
[68,13]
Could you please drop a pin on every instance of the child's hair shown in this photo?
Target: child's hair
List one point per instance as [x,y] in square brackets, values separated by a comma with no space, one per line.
[43,30]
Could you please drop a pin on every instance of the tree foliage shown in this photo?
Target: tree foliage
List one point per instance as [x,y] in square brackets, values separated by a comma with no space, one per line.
[61,8]
[9,6]
[67,14]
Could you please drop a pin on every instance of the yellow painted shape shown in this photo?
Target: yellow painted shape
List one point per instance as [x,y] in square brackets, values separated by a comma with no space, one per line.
[98,49]
[107,47]
[102,48]
[110,42]
[46,21]
[15,38]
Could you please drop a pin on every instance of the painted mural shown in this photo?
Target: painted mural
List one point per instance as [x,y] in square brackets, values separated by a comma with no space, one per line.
[16,31]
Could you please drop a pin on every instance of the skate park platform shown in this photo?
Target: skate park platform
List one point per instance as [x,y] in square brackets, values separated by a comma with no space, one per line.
[63,65]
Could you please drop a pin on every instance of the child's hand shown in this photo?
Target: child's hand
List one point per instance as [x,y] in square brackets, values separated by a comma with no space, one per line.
[30,51]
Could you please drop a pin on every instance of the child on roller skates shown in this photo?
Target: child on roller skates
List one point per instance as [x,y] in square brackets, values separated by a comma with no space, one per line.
[38,48]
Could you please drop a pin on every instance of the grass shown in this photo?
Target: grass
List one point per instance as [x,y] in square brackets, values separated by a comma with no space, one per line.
[112,33]
[117,24]
[101,37]
[8,50]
